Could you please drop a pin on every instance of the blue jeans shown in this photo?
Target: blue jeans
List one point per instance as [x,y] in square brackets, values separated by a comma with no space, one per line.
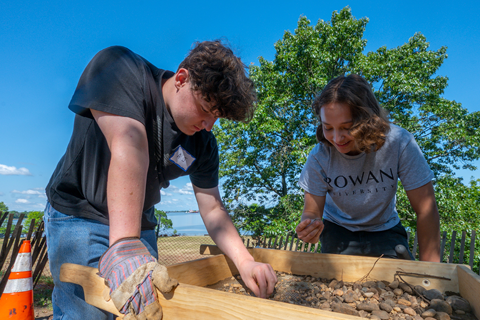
[80,241]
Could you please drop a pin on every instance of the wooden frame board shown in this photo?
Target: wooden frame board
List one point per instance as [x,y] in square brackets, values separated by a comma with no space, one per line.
[190,300]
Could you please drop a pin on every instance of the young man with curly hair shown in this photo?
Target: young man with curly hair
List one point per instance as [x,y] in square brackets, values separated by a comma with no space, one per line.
[350,178]
[136,128]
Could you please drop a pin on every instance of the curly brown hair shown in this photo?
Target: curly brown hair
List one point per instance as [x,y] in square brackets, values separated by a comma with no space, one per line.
[220,77]
[370,120]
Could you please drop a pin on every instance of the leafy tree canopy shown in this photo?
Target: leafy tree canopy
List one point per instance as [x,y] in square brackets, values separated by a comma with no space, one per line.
[31,215]
[3,207]
[163,222]
[261,161]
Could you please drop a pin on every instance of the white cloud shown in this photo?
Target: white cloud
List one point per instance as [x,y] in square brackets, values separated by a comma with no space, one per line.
[23,201]
[6,170]
[31,192]
[163,193]
[39,192]
[186,189]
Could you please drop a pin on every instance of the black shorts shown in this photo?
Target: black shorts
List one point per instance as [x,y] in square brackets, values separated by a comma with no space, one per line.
[336,239]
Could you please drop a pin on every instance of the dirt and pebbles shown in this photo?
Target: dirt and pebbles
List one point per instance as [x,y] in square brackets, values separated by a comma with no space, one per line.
[369,299]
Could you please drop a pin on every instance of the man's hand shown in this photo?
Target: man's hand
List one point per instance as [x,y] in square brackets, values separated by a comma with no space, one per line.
[132,274]
[258,277]
[309,230]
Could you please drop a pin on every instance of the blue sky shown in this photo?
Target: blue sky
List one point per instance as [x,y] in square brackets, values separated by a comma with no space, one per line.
[45,45]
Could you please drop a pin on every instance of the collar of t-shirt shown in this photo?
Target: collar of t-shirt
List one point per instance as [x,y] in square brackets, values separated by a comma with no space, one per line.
[165,129]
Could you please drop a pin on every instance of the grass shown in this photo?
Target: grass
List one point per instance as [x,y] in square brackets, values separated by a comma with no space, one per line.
[172,250]
[42,294]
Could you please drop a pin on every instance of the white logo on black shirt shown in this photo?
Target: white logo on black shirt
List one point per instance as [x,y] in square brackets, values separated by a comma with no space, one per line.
[182,158]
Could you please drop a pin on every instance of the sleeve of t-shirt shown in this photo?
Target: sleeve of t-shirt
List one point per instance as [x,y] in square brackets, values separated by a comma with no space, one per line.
[206,175]
[413,170]
[312,178]
[113,82]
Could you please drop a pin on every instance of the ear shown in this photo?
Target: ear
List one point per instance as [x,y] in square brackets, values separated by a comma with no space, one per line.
[319,133]
[181,78]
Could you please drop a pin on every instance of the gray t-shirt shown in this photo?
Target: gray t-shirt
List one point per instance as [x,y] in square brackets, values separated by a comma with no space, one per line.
[360,190]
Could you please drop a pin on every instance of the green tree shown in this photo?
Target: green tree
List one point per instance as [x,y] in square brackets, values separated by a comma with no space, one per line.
[37,215]
[3,207]
[163,222]
[458,204]
[261,161]
[257,220]
[408,87]
[459,208]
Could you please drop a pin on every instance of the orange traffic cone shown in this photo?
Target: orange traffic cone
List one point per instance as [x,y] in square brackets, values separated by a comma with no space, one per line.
[16,302]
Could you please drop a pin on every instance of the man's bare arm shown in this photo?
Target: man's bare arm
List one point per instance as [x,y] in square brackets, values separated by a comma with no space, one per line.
[127,174]
[259,277]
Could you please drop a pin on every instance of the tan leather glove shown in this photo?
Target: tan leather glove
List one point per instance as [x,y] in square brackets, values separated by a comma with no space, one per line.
[132,274]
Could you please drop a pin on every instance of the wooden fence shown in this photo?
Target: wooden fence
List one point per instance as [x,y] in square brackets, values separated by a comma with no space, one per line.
[11,245]
[456,251]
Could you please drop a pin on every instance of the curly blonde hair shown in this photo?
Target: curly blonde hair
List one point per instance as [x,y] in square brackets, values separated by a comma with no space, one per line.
[370,120]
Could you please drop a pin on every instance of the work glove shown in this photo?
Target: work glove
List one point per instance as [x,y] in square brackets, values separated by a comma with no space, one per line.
[132,274]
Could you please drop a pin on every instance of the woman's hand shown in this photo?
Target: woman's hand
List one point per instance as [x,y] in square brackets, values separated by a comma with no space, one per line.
[311,225]
[309,230]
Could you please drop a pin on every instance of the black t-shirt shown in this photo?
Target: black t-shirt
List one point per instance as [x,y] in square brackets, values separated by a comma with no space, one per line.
[120,82]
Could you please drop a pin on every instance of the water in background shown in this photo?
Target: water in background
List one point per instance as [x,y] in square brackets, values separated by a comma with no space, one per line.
[187,223]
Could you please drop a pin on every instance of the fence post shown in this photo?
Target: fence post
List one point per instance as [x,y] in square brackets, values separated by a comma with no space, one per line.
[5,214]
[4,252]
[472,249]
[452,246]
[296,244]
[16,234]
[462,248]
[275,243]
[291,243]
[414,250]
[286,242]
[442,246]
